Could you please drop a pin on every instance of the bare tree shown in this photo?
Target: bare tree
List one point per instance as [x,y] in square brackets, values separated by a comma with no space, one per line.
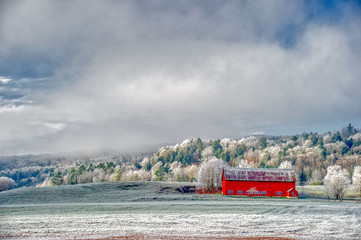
[6,183]
[210,174]
[336,182]
[356,179]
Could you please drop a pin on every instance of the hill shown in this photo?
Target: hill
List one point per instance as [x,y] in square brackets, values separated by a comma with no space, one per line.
[110,192]
[309,153]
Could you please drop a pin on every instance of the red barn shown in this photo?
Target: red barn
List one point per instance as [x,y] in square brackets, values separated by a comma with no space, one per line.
[265,182]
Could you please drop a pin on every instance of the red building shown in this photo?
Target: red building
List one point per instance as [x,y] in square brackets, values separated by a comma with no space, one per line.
[265,182]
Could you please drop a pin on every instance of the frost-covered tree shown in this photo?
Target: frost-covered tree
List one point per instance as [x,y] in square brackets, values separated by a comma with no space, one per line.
[336,182]
[154,170]
[6,183]
[316,177]
[356,179]
[207,153]
[348,131]
[244,164]
[285,165]
[327,138]
[46,183]
[191,172]
[210,175]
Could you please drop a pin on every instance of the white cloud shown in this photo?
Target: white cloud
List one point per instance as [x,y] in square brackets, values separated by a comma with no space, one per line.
[4,80]
[11,108]
[127,74]
[55,126]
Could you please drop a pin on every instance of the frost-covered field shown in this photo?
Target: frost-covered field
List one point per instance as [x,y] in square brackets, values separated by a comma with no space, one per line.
[216,217]
[295,219]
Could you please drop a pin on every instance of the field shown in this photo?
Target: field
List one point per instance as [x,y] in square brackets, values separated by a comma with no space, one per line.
[151,210]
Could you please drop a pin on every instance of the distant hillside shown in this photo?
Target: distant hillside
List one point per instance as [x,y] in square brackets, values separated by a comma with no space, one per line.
[30,170]
[309,153]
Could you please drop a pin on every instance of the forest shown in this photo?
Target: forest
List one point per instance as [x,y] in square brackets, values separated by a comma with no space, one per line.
[309,153]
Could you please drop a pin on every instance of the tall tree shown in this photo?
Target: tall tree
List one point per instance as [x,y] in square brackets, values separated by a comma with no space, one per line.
[263,142]
[159,173]
[210,174]
[356,179]
[336,137]
[336,181]
[57,179]
[348,131]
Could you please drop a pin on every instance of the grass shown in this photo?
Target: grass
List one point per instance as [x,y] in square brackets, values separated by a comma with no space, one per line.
[317,191]
[113,192]
[103,210]
[109,192]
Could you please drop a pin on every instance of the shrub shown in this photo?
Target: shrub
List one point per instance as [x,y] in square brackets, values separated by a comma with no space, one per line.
[6,183]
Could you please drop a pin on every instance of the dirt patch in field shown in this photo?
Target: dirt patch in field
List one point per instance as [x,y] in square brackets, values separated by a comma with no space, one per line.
[147,237]
[186,189]
[129,186]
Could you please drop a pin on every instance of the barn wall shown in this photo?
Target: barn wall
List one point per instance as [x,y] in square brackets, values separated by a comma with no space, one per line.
[269,189]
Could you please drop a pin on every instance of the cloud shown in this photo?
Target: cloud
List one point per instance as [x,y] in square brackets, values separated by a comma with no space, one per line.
[117,74]
[54,127]
[4,80]
[11,108]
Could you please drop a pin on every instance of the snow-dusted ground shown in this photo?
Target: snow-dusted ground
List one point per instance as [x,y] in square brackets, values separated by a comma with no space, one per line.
[299,219]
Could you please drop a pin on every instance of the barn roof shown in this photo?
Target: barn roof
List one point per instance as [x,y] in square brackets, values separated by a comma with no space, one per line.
[260,174]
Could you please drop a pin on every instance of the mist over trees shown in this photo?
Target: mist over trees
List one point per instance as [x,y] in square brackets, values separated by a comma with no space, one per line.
[309,154]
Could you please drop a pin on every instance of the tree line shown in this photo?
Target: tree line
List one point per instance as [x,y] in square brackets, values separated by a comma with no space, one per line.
[310,154]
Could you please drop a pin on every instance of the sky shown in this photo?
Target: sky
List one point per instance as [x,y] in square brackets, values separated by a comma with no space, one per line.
[123,75]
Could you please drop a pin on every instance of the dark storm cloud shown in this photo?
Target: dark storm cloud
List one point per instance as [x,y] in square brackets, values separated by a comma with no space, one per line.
[117,74]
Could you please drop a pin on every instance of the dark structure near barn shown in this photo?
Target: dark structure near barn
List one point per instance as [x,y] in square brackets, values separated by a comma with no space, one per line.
[259,182]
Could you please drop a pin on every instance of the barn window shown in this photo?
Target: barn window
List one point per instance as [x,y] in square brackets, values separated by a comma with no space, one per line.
[257,192]
[230,191]
[247,192]
[264,192]
[279,193]
[240,192]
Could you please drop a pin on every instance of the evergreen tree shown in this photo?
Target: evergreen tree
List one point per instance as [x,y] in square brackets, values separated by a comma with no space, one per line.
[349,143]
[336,137]
[71,176]
[216,145]
[80,170]
[303,177]
[240,150]
[57,179]
[263,142]
[148,166]
[159,173]
[118,175]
